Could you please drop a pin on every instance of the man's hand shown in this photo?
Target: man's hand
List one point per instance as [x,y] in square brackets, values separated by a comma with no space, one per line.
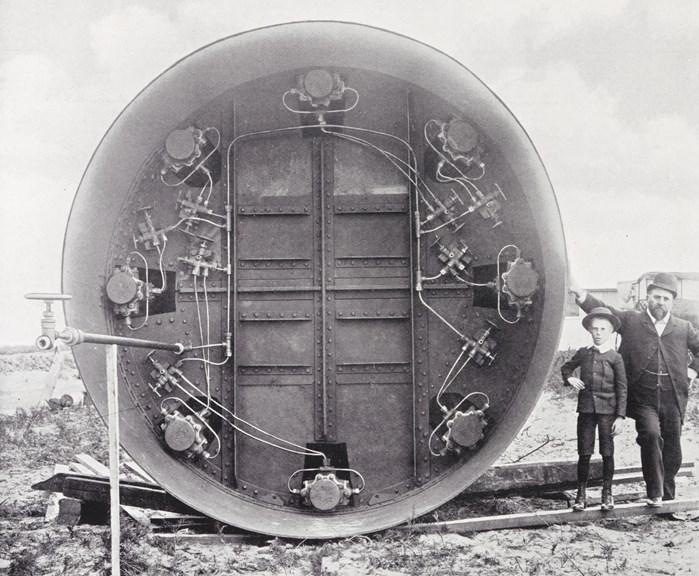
[575,288]
[576,383]
[617,426]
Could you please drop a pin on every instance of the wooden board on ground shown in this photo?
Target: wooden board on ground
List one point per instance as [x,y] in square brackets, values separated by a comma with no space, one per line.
[93,465]
[213,539]
[528,478]
[552,517]
[139,472]
[80,469]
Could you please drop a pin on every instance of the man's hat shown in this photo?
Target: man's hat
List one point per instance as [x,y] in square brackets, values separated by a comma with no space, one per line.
[601,313]
[665,281]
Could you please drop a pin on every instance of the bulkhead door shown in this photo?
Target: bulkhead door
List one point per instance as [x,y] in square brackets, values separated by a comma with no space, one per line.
[323,339]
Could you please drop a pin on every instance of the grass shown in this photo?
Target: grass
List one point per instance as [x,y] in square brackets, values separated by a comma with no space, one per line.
[40,437]
[21,349]
[554,382]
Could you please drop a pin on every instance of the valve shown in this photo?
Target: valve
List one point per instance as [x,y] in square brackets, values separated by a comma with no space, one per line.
[320,92]
[150,237]
[460,422]
[165,375]
[454,149]
[73,336]
[199,258]
[125,290]
[326,491]
[489,205]
[190,208]
[183,148]
[456,257]
[49,335]
[465,429]
[185,433]
[480,349]
[319,87]
[460,141]
[448,210]
[519,283]
[192,157]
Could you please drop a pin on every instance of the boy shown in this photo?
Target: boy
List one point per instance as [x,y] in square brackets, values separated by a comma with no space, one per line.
[601,400]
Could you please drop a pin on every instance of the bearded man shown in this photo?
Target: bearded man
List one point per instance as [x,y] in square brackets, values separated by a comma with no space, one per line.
[654,348]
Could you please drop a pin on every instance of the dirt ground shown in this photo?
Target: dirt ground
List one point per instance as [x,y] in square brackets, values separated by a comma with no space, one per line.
[33,441]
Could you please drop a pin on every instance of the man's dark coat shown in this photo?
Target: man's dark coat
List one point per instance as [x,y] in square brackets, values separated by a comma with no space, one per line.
[639,345]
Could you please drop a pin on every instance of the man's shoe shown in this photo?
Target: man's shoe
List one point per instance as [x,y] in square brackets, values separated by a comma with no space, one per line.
[607,500]
[580,498]
[673,516]
[656,502]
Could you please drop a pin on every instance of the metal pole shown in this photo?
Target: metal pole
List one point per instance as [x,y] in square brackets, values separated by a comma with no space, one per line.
[73,336]
[113,425]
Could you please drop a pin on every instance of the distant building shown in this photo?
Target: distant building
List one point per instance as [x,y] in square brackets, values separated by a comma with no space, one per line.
[633,292]
[630,295]
[609,296]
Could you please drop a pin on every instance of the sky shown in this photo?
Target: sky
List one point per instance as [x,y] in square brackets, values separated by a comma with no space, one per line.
[606,89]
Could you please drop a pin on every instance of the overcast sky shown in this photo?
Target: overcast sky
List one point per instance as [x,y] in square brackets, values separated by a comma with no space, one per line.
[606,89]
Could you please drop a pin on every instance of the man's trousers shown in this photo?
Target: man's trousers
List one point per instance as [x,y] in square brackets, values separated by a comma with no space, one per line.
[659,431]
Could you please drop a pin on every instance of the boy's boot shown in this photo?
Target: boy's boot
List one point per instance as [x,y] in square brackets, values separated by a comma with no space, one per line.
[607,500]
[580,498]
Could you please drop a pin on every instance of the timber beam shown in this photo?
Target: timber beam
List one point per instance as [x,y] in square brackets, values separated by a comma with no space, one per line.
[552,517]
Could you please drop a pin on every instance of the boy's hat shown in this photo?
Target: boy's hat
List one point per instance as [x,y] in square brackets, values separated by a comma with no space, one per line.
[601,313]
[665,281]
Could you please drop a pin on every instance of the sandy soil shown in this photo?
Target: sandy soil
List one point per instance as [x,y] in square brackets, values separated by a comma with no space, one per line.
[32,442]
[30,379]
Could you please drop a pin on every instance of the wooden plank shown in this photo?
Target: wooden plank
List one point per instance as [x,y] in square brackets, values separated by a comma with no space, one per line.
[137,514]
[594,497]
[93,465]
[56,482]
[147,517]
[164,516]
[139,472]
[212,539]
[531,478]
[113,429]
[552,517]
[131,494]
[80,469]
